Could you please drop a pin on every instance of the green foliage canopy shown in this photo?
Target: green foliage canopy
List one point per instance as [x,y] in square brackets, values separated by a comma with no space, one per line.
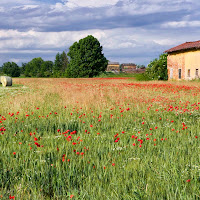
[157,69]
[60,64]
[86,58]
[33,68]
[46,69]
[11,69]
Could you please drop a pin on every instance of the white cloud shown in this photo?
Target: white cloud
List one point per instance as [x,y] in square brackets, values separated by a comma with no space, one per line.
[58,7]
[166,41]
[90,3]
[74,4]
[2,9]
[142,7]
[181,24]
[13,39]
[27,7]
[16,60]
[18,2]
[13,51]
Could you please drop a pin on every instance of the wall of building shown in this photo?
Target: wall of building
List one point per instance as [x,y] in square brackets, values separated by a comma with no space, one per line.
[188,62]
[192,64]
[113,67]
[128,66]
[176,61]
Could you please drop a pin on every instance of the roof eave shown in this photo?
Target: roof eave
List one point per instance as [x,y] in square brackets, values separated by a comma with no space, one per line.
[173,51]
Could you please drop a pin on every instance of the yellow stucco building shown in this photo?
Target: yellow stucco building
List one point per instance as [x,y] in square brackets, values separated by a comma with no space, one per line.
[113,67]
[183,61]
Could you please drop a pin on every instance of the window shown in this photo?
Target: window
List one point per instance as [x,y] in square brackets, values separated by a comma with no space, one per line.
[171,73]
[188,74]
[197,72]
[179,73]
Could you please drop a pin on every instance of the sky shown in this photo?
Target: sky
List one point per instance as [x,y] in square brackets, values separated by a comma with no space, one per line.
[130,31]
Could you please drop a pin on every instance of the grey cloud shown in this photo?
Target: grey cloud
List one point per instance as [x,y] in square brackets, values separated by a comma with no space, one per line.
[130,31]
[133,14]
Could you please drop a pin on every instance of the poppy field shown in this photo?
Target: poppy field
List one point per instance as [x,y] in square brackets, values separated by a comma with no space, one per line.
[100,138]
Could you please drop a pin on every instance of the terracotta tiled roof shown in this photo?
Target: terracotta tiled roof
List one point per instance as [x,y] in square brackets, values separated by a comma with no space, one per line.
[128,64]
[185,46]
[113,63]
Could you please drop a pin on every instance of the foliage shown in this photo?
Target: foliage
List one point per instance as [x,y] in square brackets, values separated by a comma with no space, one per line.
[60,65]
[46,69]
[11,69]
[157,69]
[37,67]
[64,62]
[22,68]
[57,66]
[1,70]
[86,58]
[33,68]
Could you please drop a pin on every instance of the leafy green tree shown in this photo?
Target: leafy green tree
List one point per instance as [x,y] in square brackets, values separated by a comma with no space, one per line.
[22,68]
[157,69]
[64,62]
[1,70]
[86,58]
[57,66]
[33,68]
[46,69]
[11,69]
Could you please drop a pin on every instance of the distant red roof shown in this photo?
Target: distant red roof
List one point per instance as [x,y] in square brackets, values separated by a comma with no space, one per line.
[185,46]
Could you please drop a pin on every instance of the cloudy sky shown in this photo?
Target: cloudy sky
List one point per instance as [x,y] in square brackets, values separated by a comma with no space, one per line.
[129,30]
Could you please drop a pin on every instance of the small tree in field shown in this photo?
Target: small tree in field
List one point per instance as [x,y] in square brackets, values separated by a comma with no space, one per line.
[86,58]
[157,69]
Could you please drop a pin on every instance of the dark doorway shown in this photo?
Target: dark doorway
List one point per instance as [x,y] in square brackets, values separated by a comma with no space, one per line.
[179,73]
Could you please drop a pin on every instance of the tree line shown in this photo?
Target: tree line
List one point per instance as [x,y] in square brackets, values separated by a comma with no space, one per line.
[84,59]
[37,67]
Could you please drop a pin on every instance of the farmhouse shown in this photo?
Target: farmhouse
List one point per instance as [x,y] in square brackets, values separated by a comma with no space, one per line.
[183,61]
[113,66]
[124,67]
[128,67]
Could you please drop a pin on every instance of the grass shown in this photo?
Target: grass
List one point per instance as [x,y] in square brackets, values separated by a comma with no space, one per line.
[115,75]
[136,76]
[100,139]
